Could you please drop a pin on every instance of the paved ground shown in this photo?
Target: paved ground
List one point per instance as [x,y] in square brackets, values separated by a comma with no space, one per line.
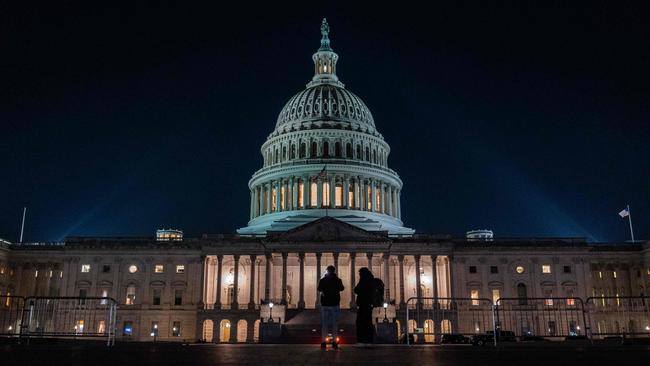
[168,354]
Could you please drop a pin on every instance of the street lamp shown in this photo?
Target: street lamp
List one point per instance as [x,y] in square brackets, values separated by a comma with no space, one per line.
[154,332]
[270,312]
[385,310]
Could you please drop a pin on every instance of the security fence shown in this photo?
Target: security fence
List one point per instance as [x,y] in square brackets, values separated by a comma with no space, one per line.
[480,321]
[11,313]
[428,319]
[618,316]
[541,317]
[57,317]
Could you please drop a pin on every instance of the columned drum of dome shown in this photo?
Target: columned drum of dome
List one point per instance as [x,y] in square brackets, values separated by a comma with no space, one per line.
[325,158]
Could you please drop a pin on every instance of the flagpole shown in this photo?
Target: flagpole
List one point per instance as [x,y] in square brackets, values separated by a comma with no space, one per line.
[629,216]
[22,226]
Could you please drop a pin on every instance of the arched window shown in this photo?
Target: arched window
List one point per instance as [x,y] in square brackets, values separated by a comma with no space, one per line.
[326,149]
[224,331]
[208,332]
[337,149]
[277,156]
[445,326]
[428,331]
[256,331]
[302,151]
[374,156]
[348,151]
[522,294]
[367,153]
[293,151]
[358,152]
[284,153]
[242,330]
[314,149]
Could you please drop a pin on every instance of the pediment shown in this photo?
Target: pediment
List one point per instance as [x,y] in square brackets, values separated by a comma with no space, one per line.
[329,229]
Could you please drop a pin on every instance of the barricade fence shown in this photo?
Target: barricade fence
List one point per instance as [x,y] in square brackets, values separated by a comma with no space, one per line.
[618,316]
[479,320]
[58,317]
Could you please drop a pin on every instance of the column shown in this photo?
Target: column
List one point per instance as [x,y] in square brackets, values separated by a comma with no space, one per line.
[402,300]
[252,206]
[258,205]
[294,193]
[286,200]
[318,258]
[373,196]
[319,192]
[277,196]
[235,287]
[357,203]
[332,180]
[346,192]
[387,276]
[251,301]
[203,287]
[399,204]
[353,257]
[389,208]
[434,279]
[306,186]
[217,302]
[268,198]
[301,300]
[336,260]
[382,194]
[362,198]
[267,279]
[284,278]
[418,289]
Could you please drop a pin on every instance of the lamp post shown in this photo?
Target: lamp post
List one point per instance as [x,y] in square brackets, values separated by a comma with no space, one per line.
[154,332]
[270,312]
[385,310]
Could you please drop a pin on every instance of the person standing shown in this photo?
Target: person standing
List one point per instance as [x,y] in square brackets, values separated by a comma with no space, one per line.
[364,290]
[330,287]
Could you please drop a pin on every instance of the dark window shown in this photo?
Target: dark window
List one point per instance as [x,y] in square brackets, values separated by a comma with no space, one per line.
[303,149]
[314,149]
[337,149]
[522,294]
[472,269]
[106,268]
[494,269]
[567,269]
[348,150]
[178,297]
[326,149]
[176,329]
[83,294]
[156,296]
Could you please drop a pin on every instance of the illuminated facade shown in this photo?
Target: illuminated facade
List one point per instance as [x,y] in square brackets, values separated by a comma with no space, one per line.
[324,196]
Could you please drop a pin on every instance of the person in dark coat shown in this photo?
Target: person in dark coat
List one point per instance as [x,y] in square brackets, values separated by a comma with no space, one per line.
[330,287]
[364,290]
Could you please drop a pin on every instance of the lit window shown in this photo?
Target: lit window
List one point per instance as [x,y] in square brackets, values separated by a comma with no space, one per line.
[570,301]
[546,268]
[101,327]
[104,294]
[326,193]
[133,268]
[36,273]
[85,268]
[158,268]
[600,274]
[2,270]
[176,329]
[130,295]
[548,301]
[614,274]
[338,201]
[474,294]
[180,268]
[519,269]
[496,295]
[79,327]
[8,300]
[313,194]
[128,328]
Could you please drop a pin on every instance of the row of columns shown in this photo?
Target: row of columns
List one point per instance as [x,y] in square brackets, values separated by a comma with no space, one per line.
[301,257]
[368,194]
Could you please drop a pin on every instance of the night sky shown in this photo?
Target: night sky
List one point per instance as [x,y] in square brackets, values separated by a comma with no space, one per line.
[116,120]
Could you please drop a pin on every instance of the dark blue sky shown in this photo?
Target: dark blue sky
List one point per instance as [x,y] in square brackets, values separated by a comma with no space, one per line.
[526,120]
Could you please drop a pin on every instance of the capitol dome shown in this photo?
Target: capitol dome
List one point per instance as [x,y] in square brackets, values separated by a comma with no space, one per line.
[325,157]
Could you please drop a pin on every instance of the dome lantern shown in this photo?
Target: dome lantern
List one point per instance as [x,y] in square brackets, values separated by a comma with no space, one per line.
[325,60]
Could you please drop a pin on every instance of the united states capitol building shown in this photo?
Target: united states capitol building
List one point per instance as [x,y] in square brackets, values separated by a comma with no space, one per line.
[324,195]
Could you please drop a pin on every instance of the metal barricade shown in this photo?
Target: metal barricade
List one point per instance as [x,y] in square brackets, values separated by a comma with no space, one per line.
[548,318]
[73,317]
[618,316]
[428,319]
[11,313]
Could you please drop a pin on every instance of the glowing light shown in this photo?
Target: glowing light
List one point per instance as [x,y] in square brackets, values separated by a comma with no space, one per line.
[271,305]
[385,305]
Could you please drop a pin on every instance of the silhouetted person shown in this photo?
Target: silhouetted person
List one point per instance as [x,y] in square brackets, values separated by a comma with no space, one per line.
[330,287]
[364,290]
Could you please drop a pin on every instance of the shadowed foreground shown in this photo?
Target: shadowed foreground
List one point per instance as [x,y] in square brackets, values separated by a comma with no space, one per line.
[172,354]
